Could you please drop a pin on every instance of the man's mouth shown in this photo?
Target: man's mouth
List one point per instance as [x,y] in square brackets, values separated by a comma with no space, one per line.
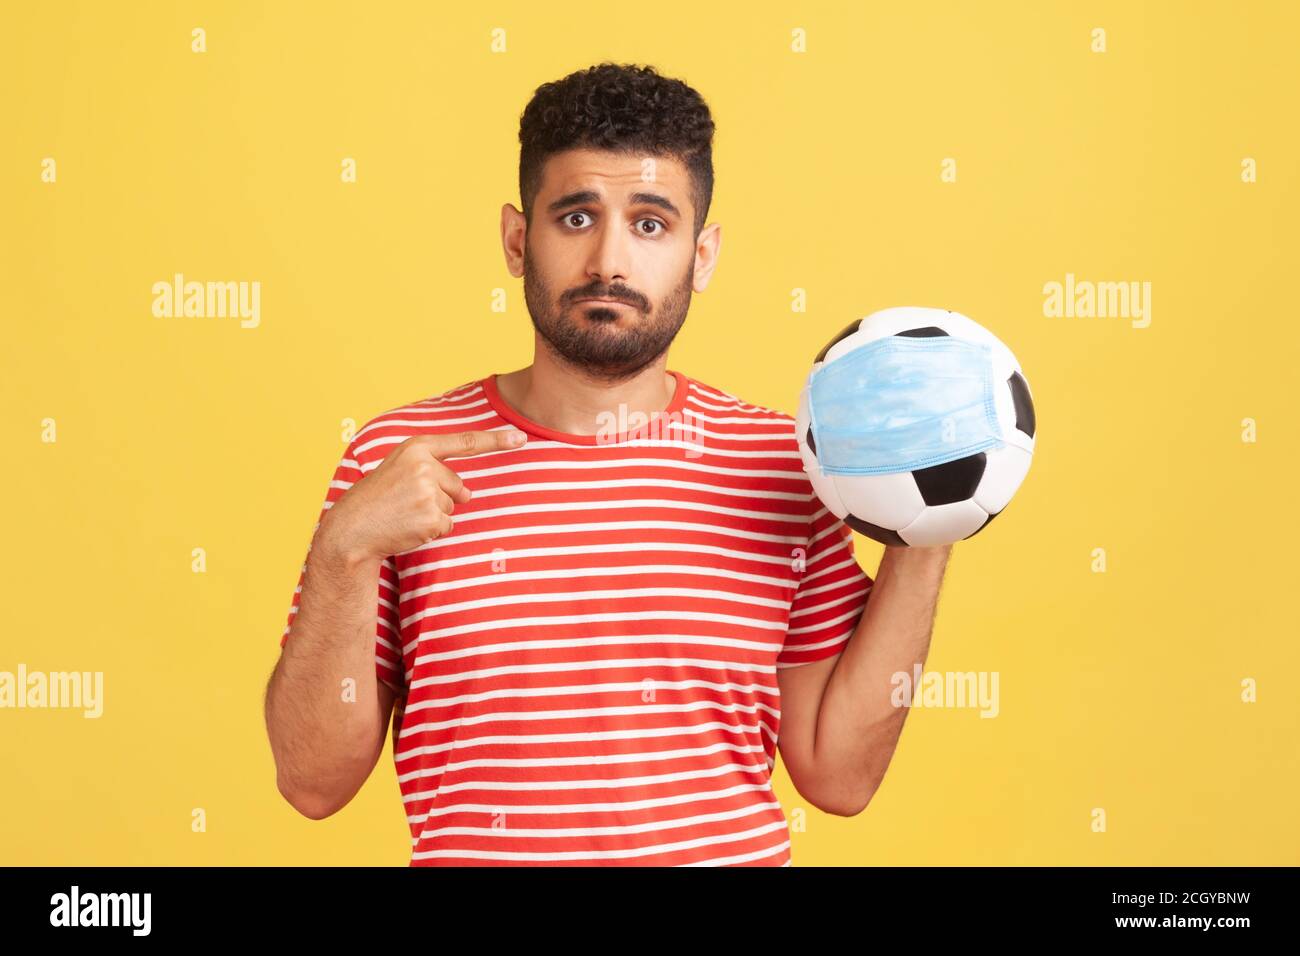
[606,301]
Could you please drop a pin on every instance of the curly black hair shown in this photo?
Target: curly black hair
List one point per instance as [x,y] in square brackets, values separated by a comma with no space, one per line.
[620,107]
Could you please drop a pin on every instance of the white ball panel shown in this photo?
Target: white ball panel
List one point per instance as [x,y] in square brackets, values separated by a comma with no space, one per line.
[891,501]
[1003,356]
[944,524]
[825,489]
[900,318]
[1006,469]
[847,344]
[962,327]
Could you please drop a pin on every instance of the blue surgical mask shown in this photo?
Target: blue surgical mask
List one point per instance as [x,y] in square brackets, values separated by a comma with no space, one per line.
[901,403]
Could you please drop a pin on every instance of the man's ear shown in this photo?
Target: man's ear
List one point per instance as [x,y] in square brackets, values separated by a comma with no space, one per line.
[514,234]
[707,248]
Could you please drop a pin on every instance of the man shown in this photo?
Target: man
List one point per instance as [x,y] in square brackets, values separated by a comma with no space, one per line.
[606,590]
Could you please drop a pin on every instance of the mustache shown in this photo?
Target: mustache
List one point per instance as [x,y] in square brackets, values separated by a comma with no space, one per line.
[618,293]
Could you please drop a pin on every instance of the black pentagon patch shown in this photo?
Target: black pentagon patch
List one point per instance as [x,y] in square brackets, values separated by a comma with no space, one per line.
[1024,406]
[981,527]
[848,330]
[929,332]
[952,481]
[812,446]
[875,532]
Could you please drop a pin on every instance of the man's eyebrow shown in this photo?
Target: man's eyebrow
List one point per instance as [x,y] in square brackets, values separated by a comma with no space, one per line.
[590,196]
[653,199]
[574,199]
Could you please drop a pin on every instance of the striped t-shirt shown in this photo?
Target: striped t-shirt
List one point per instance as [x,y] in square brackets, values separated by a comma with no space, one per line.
[586,665]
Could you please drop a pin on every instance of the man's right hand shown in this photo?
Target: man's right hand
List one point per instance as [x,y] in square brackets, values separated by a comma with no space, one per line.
[407,501]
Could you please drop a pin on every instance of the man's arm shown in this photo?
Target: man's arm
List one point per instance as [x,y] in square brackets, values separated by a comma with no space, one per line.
[325,746]
[839,727]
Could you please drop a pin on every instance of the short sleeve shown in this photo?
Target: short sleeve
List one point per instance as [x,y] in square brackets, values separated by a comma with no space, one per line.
[830,596]
[388,643]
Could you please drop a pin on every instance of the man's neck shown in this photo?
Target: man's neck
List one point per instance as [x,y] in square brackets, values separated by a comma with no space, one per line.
[570,402]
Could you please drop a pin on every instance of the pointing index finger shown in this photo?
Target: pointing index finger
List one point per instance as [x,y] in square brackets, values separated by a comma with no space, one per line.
[476,442]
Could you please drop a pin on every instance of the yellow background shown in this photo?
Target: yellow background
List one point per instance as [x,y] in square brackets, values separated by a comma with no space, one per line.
[1119,690]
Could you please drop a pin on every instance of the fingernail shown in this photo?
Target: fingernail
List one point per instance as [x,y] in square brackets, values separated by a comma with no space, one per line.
[517,438]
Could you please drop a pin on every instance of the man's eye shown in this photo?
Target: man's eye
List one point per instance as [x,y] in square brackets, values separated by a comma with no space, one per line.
[573,217]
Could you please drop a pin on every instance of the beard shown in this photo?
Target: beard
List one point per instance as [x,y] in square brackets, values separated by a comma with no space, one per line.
[608,345]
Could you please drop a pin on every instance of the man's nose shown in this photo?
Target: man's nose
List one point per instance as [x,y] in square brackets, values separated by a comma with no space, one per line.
[609,253]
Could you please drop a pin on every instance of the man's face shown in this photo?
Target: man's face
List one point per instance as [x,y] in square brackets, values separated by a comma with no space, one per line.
[612,226]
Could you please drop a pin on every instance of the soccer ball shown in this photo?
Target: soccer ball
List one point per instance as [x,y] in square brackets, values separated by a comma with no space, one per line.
[946,502]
